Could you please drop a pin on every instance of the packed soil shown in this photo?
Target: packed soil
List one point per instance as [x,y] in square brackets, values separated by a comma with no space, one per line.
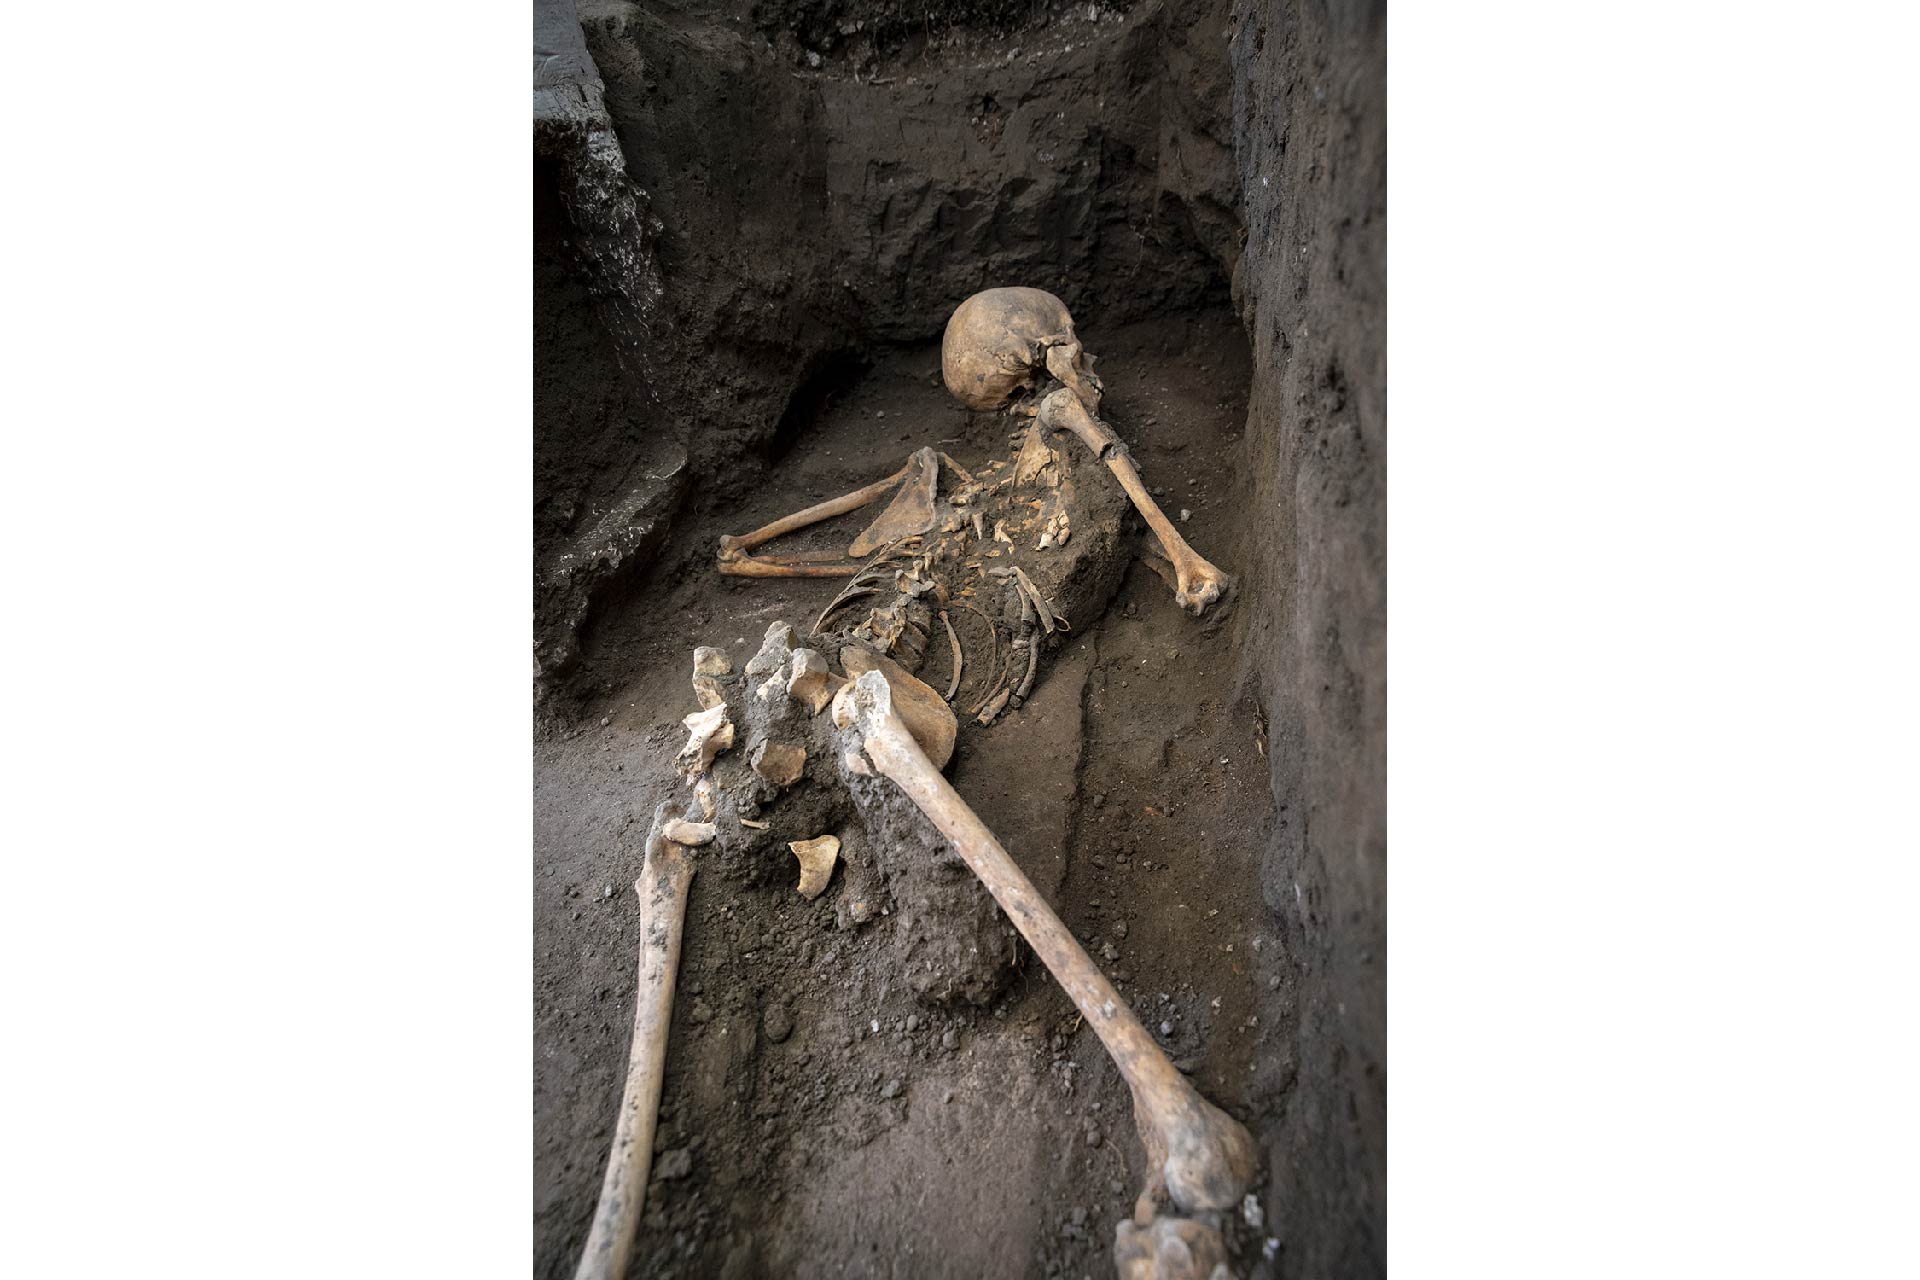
[816,1119]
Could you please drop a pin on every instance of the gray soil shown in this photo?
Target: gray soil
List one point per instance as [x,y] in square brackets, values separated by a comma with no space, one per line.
[808,189]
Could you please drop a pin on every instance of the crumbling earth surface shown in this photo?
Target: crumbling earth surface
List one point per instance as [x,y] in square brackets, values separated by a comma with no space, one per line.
[811,222]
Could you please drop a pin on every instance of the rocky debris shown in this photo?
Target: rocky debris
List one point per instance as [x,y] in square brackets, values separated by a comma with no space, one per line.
[674,1165]
[777,1022]
[780,763]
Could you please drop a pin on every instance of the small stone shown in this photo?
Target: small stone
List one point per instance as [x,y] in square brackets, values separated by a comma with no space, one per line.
[1250,1212]
[1094,1139]
[675,1164]
[607,892]
[1185,515]
[913,1022]
[1166,1028]
[605,721]
[892,1088]
[1273,983]
[1110,951]
[1119,928]
[950,1039]
[779,1023]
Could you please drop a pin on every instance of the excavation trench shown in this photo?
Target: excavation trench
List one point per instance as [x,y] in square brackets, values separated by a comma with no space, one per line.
[810,196]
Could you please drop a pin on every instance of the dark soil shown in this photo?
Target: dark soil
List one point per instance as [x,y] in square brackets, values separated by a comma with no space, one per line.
[818,219]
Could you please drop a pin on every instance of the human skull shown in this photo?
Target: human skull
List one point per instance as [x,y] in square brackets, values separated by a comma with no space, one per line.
[1002,342]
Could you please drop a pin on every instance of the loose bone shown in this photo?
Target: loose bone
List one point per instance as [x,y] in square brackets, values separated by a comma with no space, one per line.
[1203,1156]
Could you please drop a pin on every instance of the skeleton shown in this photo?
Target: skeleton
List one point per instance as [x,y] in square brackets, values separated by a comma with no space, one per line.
[1017,555]
[1003,546]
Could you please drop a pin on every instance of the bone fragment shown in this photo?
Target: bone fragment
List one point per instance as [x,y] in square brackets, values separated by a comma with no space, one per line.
[959,658]
[665,876]
[757,826]
[1036,461]
[1201,1155]
[1033,665]
[775,648]
[809,679]
[691,834]
[1168,1248]
[707,664]
[780,763]
[1040,607]
[703,792]
[817,857]
[966,477]
[918,703]
[709,733]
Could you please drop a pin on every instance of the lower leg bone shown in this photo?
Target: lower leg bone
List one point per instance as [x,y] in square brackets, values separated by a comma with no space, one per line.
[1200,583]
[1203,1156]
[664,879]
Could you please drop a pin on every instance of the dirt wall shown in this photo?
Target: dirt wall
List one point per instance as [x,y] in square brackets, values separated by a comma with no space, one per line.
[807,198]
[1309,111]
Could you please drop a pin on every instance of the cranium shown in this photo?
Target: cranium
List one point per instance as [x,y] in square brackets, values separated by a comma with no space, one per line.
[1000,344]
